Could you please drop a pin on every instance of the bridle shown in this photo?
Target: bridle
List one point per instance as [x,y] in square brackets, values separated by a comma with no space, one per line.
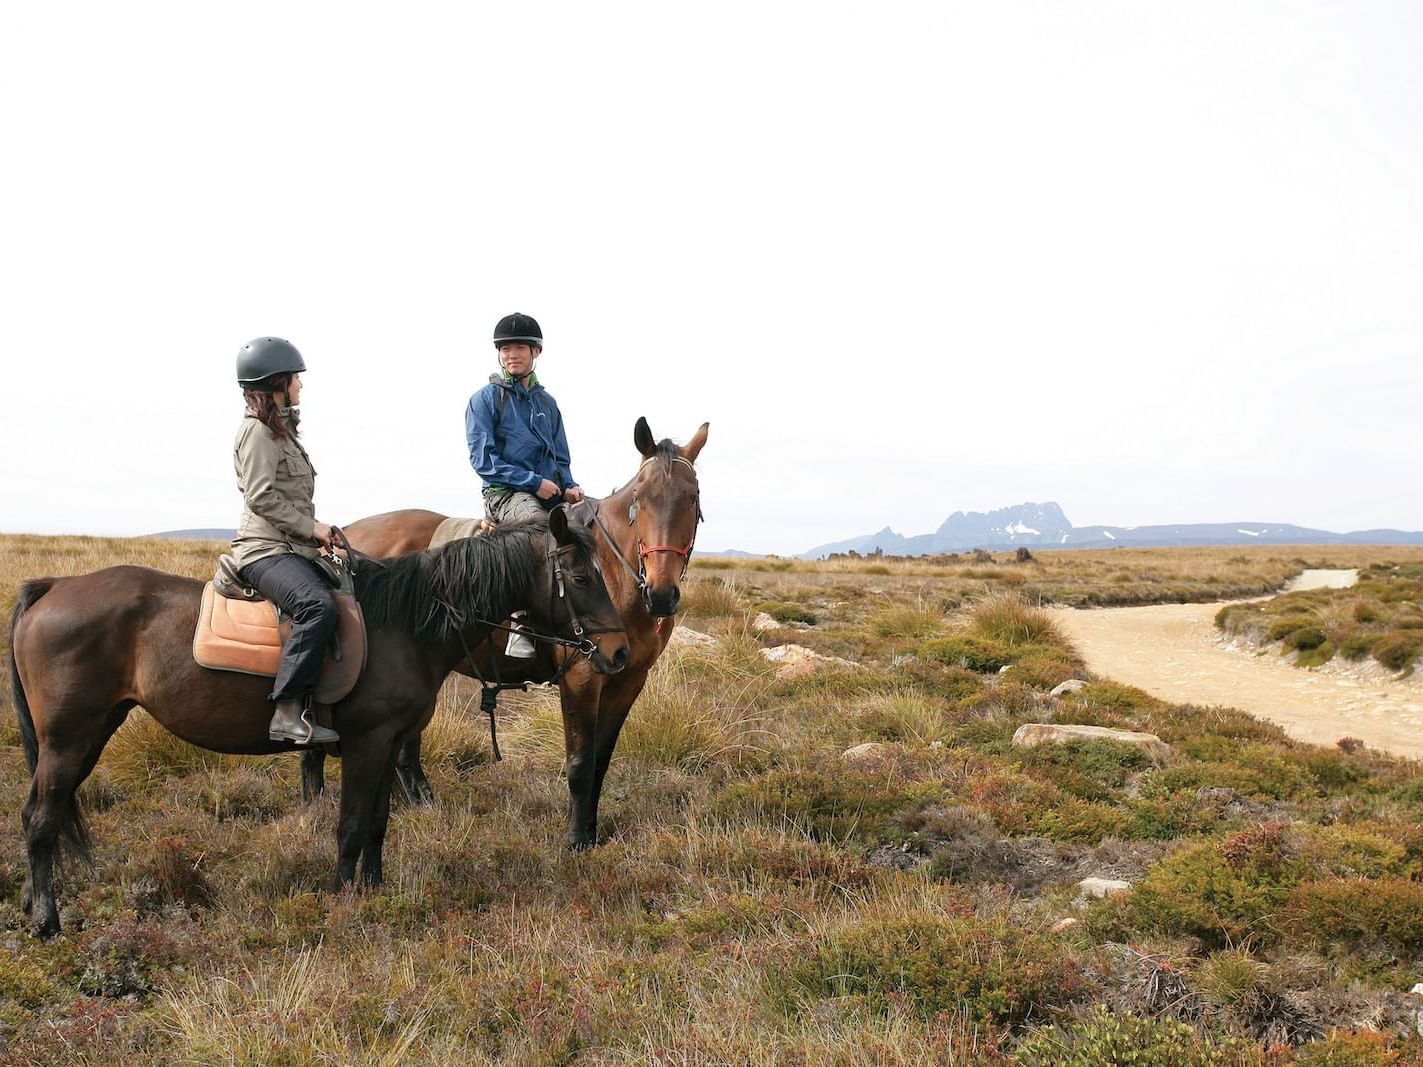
[639,576]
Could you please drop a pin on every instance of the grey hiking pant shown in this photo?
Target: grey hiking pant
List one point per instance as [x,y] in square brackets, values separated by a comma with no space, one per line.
[511,505]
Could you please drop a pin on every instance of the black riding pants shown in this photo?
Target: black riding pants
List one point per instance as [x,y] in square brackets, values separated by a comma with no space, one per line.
[295,585]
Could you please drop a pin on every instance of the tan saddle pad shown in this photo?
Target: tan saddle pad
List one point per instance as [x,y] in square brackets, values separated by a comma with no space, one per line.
[454,529]
[245,636]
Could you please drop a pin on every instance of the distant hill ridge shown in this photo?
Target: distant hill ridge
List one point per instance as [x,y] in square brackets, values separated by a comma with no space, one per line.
[1045,526]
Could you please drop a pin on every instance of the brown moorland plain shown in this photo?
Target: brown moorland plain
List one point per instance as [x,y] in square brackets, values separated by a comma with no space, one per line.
[758,897]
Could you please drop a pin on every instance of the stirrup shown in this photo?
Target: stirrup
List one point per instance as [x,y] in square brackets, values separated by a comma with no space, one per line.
[300,729]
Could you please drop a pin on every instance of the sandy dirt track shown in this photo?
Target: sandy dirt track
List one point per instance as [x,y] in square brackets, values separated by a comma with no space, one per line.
[1172,651]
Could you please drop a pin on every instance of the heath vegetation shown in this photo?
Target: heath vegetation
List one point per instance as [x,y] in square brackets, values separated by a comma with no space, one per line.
[1380,619]
[758,896]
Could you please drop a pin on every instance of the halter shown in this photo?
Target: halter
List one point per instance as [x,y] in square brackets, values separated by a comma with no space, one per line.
[639,576]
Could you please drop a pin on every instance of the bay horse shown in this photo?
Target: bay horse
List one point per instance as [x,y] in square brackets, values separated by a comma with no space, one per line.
[86,650]
[645,533]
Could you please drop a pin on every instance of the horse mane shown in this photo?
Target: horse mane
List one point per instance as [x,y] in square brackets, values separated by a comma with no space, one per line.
[435,592]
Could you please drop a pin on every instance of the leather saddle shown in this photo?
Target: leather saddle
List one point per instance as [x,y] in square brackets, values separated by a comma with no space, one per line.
[239,630]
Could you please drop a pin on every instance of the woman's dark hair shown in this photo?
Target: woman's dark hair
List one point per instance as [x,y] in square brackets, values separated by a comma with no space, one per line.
[262,407]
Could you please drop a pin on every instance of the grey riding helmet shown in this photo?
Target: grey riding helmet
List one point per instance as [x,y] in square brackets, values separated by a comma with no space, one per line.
[264,356]
[518,327]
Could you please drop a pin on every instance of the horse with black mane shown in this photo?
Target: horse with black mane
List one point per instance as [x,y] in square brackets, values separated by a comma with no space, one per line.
[86,650]
[645,533]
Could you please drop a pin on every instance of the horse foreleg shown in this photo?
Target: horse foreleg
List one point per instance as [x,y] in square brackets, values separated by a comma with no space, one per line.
[367,764]
[313,774]
[614,703]
[580,764]
[411,774]
[371,872]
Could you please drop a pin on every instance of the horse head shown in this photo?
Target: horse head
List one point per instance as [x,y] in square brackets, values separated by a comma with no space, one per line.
[665,510]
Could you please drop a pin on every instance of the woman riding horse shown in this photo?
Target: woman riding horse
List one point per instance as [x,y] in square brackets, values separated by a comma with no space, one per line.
[279,534]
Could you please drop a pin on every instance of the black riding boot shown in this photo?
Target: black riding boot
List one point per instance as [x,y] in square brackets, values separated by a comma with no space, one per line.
[292,721]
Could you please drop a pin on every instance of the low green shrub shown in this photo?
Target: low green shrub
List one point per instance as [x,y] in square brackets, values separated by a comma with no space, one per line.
[1366,611]
[1101,762]
[1358,913]
[1108,1037]
[1355,1048]
[1397,651]
[1306,637]
[24,982]
[1044,668]
[1072,819]
[1222,892]
[972,653]
[829,807]
[784,611]
[1281,629]
[1357,646]
[988,970]
[1163,816]
[1115,696]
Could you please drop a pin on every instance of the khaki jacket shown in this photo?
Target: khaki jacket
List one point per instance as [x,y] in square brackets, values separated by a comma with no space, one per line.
[277,482]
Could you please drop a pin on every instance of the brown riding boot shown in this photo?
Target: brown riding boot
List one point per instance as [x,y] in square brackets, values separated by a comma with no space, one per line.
[292,721]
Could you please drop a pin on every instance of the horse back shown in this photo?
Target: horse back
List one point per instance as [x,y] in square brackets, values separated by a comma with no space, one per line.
[97,617]
[393,533]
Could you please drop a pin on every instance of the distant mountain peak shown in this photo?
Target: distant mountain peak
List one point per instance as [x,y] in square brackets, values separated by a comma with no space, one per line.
[1047,525]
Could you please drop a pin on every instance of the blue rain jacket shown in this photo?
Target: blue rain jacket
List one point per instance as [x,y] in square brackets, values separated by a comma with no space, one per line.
[520,445]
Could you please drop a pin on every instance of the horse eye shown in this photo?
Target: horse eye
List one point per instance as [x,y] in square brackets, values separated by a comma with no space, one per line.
[580,579]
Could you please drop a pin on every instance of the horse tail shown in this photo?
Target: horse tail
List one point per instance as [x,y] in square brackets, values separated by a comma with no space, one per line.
[29,592]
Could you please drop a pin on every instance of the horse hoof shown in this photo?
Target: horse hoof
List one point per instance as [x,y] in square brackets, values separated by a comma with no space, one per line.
[581,843]
[417,792]
[47,930]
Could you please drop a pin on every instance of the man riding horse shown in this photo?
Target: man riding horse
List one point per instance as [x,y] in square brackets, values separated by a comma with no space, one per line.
[516,440]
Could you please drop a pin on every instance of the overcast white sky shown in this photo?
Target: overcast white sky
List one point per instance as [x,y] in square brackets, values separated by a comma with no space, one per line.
[1159,262]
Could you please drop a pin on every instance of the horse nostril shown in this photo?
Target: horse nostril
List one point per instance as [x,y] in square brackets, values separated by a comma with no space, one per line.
[620,659]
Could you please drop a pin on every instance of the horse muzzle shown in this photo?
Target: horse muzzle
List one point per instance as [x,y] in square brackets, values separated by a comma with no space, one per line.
[662,602]
[610,664]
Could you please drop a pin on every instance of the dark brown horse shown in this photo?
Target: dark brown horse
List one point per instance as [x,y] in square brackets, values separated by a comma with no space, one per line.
[86,650]
[645,532]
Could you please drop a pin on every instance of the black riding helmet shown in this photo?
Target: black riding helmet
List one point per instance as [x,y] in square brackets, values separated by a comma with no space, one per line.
[516,328]
[264,356]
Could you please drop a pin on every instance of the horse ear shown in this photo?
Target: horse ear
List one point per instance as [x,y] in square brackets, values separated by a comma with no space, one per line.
[558,524]
[694,446]
[642,437]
